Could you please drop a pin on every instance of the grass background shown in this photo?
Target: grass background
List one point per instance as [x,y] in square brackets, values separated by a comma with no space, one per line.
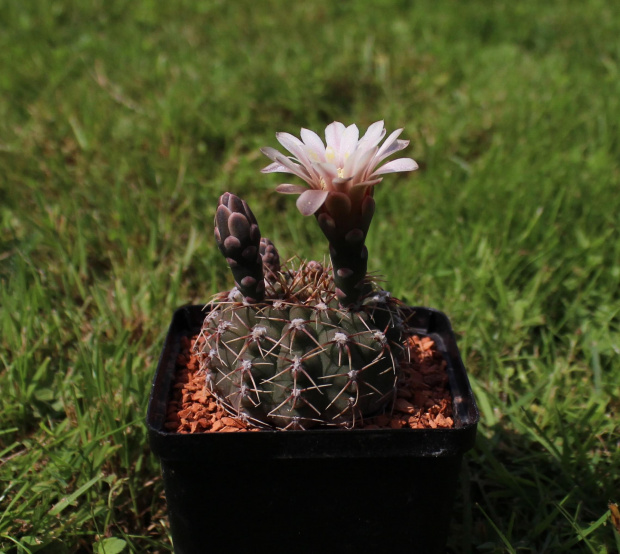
[121,122]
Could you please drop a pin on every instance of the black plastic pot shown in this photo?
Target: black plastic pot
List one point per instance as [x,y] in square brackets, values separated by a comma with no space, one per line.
[312,491]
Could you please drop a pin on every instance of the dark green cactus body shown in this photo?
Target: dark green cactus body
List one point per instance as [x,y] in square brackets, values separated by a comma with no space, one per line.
[296,359]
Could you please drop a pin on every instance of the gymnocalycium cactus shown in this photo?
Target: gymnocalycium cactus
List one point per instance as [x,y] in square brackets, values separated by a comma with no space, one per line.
[296,347]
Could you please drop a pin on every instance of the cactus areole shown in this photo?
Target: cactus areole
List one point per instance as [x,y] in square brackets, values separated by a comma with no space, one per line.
[296,347]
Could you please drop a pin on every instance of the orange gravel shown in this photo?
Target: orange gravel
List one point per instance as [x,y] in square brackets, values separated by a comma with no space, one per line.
[423,397]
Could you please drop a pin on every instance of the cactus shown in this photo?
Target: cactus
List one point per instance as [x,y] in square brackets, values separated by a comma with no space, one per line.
[308,345]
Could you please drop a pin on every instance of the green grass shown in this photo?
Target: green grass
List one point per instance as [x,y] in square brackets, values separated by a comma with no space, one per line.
[121,122]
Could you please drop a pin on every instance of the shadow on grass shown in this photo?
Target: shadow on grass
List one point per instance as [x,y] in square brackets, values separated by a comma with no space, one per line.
[517,496]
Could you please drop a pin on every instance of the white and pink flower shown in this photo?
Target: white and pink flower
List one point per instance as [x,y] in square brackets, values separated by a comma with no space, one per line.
[343,164]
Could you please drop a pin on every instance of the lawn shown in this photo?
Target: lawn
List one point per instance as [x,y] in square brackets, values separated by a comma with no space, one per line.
[121,123]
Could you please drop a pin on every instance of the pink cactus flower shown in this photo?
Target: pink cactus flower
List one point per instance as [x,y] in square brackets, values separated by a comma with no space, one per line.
[344,164]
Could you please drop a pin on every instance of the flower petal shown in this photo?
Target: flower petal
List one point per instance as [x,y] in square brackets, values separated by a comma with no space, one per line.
[401,164]
[311,200]
[328,172]
[350,161]
[271,153]
[294,146]
[285,188]
[373,135]
[333,134]
[314,145]
[362,161]
[348,143]
[275,167]
[357,165]
[295,168]
[368,183]
[388,142]
[395,147]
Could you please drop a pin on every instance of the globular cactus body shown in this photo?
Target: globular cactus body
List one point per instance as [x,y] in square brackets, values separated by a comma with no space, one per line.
[297,359]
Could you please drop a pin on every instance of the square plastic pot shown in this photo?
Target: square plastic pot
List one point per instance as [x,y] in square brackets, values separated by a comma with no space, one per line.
[323,490]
